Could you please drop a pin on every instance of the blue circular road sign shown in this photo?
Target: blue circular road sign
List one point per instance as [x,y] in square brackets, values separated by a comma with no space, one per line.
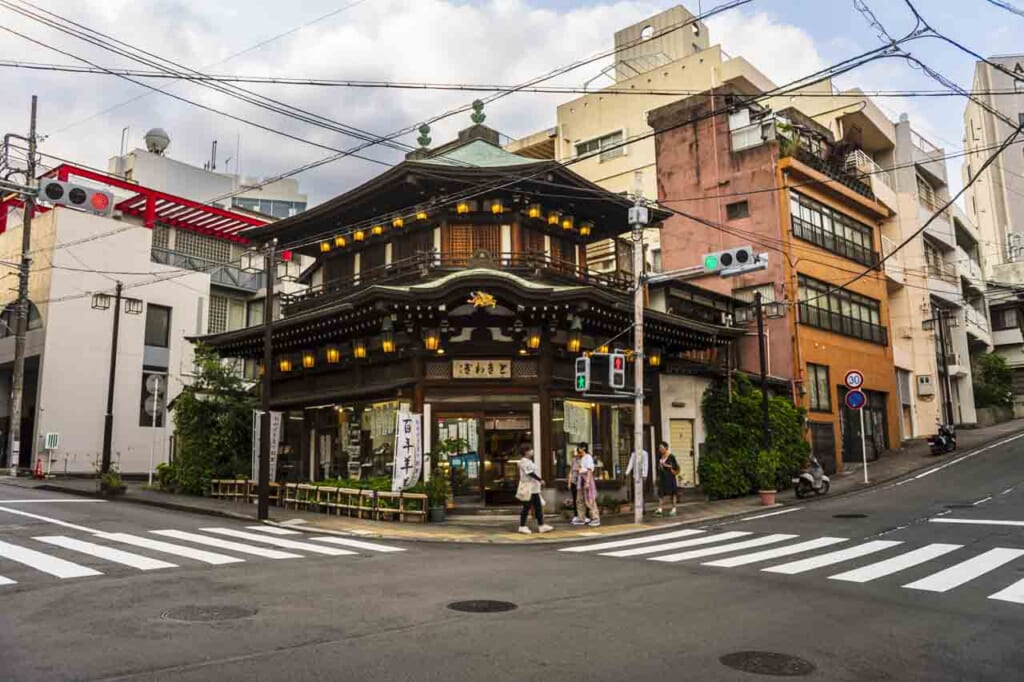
[855,399]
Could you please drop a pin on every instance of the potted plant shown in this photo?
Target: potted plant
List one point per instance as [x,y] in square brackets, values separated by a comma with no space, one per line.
[608,504]
[437,498]
[110,484]
[767,475]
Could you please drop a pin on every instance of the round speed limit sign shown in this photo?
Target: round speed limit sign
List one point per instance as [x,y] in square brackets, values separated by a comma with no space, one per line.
[854,379]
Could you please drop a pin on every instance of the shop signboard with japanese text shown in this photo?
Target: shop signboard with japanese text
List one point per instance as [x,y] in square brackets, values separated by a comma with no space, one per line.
[408,451]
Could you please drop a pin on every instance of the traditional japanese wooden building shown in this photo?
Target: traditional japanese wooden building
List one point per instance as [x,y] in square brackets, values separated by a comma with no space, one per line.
[457,283]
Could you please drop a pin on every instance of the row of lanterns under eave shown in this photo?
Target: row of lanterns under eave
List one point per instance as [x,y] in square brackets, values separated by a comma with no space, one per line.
[496,207]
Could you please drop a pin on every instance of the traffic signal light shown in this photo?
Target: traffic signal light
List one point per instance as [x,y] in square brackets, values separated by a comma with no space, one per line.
[582,374]
[733,261]
[97,201]
[617,370]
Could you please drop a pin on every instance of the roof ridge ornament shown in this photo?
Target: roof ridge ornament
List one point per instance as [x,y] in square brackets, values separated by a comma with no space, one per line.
[424,138]
[478,116]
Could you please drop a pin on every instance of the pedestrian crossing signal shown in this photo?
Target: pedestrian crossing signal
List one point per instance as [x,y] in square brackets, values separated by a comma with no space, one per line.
[582,374]
[617,370]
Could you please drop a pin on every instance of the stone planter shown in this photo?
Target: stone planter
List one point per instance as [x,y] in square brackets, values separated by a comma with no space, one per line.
[111,491]
[767,497]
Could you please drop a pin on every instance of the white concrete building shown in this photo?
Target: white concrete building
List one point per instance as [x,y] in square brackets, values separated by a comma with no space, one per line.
[178,262]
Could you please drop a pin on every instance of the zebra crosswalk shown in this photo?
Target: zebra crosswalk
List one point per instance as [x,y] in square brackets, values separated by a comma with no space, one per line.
[84,555]
[933,567]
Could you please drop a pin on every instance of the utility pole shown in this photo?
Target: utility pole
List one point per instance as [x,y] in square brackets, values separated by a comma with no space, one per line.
[263,475]
[21,322]
[638,218]
[766,434]
[941,319]
[108,417]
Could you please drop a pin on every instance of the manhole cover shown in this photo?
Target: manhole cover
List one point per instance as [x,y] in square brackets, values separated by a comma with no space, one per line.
[482,606]
[849,516]
[207,614]
[767,663]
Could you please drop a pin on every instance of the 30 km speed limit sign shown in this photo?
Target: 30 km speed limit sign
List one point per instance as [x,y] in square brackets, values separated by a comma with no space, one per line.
[854,379]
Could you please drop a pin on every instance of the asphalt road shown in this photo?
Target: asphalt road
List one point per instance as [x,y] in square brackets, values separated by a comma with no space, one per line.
[896,594]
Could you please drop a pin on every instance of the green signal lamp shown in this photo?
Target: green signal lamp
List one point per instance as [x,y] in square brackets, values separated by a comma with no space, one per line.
[711,262]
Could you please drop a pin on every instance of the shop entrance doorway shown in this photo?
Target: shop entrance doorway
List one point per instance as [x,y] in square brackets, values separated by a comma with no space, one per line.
[479,454]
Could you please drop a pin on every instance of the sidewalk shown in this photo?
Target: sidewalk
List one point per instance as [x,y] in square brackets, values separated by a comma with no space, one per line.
[501,529]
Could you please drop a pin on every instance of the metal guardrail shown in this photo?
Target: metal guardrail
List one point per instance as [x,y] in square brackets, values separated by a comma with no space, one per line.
[221,274]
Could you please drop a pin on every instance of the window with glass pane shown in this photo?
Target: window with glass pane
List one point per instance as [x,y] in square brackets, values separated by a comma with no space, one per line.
[158,325]
[831,230]
[842,312]
[818,388]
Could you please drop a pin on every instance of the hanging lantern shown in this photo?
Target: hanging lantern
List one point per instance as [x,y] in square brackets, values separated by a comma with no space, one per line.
[377,230]
[339,242]
[359,235]
[535,211]
[284,364]
[567,222]
[333,355]
[575,336]
[432,339]
[325,247]
[554,217]
[398,221]
[308,359]
[586,228]
[259,368]
[497,208]
[359,349]
[462,207]
[387,339]
[533,338]
[654,357]
[421,215]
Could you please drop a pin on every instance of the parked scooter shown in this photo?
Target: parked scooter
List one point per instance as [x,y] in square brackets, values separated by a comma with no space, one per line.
[812,480]
[944,441]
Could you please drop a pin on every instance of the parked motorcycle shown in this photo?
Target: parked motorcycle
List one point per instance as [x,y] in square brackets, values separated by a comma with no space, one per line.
[944,441]
[812,480]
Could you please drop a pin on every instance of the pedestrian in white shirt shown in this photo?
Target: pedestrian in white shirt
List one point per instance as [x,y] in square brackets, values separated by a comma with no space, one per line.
[645,468]
[528,493]
[586,486]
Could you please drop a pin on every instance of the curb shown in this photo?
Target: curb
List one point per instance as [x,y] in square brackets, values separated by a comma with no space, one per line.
[173,506]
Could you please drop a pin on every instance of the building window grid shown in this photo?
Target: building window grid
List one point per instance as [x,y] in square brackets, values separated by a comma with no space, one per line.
[602,144]
[218,319]
[819,388]
[161,236]
[833,231]
[842,312]
[201,246]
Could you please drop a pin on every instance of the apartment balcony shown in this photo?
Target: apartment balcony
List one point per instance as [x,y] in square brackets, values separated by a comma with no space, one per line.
[957,365]
[221,274]
[976,326]
[835,170]
[880,180]
[894,267]
[1007,337]
[929,157]
[943,282]
[970,270]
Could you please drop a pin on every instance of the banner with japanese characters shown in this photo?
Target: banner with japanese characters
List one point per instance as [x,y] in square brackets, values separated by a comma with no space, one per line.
[408,451]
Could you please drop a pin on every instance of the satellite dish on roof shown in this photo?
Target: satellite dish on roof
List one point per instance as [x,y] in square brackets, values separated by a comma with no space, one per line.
[157,140]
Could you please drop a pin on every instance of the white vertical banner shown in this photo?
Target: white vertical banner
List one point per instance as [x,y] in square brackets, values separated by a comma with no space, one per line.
[408,451]
[257,422]
[276,420]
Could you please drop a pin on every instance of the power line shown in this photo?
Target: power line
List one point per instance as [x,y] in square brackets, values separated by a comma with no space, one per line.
[1007,6]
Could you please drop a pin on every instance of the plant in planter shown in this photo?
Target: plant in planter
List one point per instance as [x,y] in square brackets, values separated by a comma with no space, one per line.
[767,475]
[110,483]
[608,504]
[438,491]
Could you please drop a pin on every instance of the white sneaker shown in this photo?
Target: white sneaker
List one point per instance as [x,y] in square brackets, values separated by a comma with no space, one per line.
[545,529]
[525,530]
[577,522]
[595,523]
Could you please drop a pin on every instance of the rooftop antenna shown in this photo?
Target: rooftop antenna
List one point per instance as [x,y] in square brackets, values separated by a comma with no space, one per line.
[213,156]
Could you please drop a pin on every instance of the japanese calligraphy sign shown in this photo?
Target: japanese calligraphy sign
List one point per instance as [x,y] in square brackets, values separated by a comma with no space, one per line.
[481,369]
[408,451]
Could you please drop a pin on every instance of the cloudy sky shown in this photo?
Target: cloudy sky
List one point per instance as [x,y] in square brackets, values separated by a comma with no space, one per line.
[452,41]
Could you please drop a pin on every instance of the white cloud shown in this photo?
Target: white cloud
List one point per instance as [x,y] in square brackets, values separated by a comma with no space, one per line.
[782,52]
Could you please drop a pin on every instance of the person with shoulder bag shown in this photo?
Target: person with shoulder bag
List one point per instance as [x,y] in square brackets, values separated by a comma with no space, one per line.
[668,486]
[528,493]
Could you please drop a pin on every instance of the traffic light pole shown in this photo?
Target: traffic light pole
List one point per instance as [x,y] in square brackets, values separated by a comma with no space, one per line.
[108,417]
[21,322]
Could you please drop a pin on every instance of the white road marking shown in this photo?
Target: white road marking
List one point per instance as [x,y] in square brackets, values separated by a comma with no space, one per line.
[358,544]
[831,558]
[633,541]
[764,555]
[895,564]
[170,548]
[980,522]
[929,472]
[143,563]
[274,530]
[48,520]
[48,501]
[1014,593]
[44,562]
[6,581]
[723,549]
[774,513]
[277,542]
[965,571]
[706,540]
[1007,491]
[264,552]
[981,501]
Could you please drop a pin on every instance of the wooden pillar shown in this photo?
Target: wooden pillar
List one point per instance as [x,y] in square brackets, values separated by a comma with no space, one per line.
[545,377]
[419,374]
